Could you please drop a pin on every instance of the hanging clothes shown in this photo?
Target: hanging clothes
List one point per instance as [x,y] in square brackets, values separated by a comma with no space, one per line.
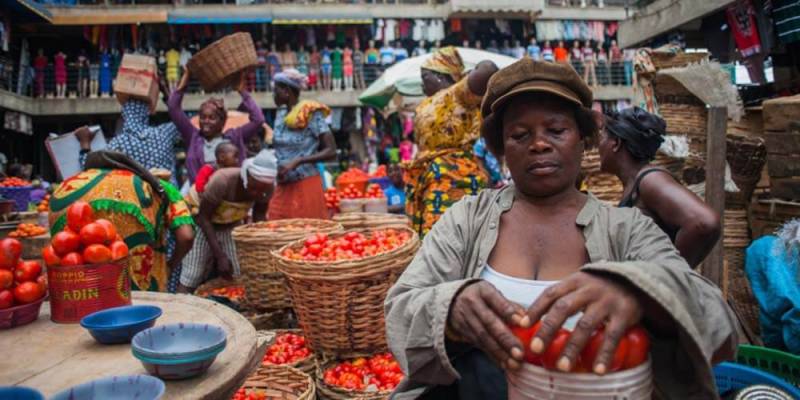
[566,27]
[743,27]
[379,27]
[584,32]
[503,26]
[416,33]
[390,31]
[598,31]
[455,25]
[311,38]
[404,28]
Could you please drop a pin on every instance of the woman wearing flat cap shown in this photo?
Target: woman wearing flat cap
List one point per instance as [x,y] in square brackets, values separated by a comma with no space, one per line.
[540,250]
[446,127]
[628,142]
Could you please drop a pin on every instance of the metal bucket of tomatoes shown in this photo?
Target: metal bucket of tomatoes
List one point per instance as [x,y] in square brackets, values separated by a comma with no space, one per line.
[79,290]
[87,266]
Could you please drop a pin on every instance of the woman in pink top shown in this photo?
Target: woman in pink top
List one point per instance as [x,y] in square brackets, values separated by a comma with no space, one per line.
[60,69]
[347,67]
[588,63]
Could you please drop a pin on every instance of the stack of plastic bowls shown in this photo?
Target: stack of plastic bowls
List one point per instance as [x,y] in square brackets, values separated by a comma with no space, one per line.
[178,351]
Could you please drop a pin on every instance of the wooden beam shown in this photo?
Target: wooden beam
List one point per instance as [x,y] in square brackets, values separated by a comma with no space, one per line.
[715,186]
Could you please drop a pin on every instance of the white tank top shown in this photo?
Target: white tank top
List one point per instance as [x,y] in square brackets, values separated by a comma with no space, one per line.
[522,291]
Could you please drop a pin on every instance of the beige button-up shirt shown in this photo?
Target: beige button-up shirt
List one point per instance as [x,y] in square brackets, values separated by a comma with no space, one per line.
[621,242]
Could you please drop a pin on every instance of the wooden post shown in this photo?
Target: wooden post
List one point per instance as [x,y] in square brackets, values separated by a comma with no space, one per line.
[715,186]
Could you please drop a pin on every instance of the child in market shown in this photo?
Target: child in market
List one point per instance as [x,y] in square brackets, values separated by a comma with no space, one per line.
[227,156]
[395,193]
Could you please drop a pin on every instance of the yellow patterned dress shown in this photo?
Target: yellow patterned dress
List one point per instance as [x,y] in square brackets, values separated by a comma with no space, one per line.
[141,218]
[446,126]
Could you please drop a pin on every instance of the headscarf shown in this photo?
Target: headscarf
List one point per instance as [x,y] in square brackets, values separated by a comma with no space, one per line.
[641,132]
[263,167]
[218,106]
[292,77]
[446,61]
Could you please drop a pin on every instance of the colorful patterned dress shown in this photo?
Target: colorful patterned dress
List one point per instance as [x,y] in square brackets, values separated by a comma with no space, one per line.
[447,125]
[137,212]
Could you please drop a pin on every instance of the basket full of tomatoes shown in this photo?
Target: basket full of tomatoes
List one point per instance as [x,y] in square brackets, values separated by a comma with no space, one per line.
[224,291]
[22,286]
[339,282]
[289,347]
[362,378]
[87,266]
[629,374]
[18,190]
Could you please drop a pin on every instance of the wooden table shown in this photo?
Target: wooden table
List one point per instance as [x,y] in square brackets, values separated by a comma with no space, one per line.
[52,357]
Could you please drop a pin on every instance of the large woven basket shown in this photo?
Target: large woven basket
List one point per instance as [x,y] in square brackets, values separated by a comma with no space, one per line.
[219,65]
[265,287]
[281,382]
[266,320]
[736,229]
[662,60]
[307,365]
[371,220]
[329,392]
[746,156]
[740,294]
[685,119]
[339,305]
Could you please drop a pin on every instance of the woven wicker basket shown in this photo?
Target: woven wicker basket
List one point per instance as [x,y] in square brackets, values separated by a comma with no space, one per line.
[371,220]
[662,60]
[684,119]
[339,305]
[736,229]
[265,287]
[281,382]
[746,156]
[740,294]
[219,64]
[328,392]
[262,321]
[205,289]
[307,365]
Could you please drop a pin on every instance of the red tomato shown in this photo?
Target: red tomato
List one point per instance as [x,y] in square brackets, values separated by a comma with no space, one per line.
[525,335]
[27,271]
[553,352]
[6,299]
[119,250]
[111,230]
[28,292]
[78,215]
[73,258]
[6,279]
[50,257]
[96,253]
[638,347]
[65,242]
[10,250]
[93,233]
[589,353]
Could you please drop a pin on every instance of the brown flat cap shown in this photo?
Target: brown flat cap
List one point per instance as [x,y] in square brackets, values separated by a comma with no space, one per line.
[527,75]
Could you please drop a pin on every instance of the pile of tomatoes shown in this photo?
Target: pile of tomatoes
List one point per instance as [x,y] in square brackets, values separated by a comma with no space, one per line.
[374,191]
[351,192]
[332,199]
[252,394]
[27,230]
[351,176]
[380,371]
[14,182]
[350,246]
[632,350]
[85,240]
[380,172]
[44,205]
[288,348]
[235,293]
[21,282]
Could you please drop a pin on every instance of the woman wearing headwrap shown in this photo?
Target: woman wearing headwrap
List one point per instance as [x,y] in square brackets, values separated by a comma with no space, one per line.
[447,125]
[627,145]
[225,203]
[202,142]
[301,138]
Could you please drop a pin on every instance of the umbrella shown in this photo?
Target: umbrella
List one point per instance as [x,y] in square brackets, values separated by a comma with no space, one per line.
[404,77]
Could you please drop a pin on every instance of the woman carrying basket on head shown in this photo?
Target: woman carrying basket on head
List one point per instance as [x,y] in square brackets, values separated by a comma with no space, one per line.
[201,143]
[301,138]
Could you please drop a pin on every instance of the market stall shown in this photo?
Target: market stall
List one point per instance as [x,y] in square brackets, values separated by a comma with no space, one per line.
[73,357]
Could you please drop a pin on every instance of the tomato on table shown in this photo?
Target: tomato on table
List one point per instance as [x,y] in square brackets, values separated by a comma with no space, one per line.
[28,292]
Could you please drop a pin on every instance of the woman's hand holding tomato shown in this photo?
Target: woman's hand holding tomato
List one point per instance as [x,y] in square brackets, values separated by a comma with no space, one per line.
[604,302]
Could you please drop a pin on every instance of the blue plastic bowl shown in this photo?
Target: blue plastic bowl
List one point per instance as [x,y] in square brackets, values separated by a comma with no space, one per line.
[120,324]
[178,369]
[730,376]
[139,387]
[179,341]
[19,393]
